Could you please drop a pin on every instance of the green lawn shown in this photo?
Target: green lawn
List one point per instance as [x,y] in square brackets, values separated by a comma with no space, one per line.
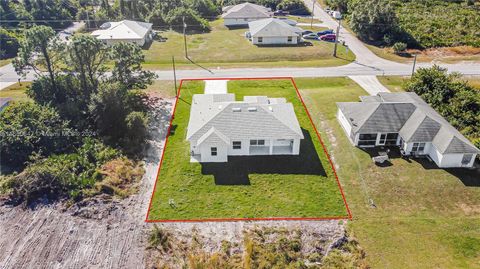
[394,83]
[245,187]
[229,48]
[16,92]
[424,217]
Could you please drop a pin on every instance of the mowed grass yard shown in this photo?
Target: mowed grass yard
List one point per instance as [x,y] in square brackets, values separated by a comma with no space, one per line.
[229,48]
[245,187]
[424,217]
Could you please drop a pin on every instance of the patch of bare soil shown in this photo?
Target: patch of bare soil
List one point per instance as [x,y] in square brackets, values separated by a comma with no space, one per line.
[461,53]
[187,239]
[100,232]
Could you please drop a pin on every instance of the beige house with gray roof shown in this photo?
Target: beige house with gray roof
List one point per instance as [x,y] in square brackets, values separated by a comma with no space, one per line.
[220,127]
[242,14]
[405,120]
[273,31]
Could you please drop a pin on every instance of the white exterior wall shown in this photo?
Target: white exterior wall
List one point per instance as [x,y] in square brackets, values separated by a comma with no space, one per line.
[345,125]
[206,156]
[237,22]
[245,150]
[296,147]
[281,40]
[455,160]
[139,42]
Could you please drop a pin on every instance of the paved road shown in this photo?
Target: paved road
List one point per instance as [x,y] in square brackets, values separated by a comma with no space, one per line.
[369,84]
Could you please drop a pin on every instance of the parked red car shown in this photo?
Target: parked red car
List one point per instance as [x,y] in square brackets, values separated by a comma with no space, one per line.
[328,37]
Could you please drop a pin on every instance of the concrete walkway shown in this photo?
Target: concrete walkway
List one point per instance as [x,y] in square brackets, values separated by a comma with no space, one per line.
[369,84]
[215,86]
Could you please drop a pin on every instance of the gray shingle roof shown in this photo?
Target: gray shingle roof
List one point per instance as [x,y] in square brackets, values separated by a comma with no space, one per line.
[268,121]
[272,27]
[410,116]
[246,10]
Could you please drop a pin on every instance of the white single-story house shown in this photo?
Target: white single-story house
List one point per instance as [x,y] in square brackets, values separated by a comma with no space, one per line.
[241,14]
[220,127]
[125,31]
[405,120]
[273,32]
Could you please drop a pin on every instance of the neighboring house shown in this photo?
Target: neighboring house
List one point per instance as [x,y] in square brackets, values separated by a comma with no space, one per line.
[240,15]
[405,120]
[4,102]
[273,32]
[220,127]
[125,31]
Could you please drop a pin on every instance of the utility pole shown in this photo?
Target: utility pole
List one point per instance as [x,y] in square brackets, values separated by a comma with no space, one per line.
[336,38]
[313,13]
[185,37]
[414,63]
[174,75]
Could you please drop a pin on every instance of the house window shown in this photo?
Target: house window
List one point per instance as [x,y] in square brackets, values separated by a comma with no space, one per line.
[367,139]
[260,39]
[418,147]
[289,39]
[213,151]
[237,144]
[466,159]
[257,142]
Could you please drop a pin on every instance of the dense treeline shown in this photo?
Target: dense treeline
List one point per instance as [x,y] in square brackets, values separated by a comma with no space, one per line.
[452,97]
[18,15]
[82,117]
[424,23]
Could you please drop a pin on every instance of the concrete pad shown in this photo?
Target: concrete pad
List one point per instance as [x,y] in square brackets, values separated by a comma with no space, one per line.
[216,86]
[369,84]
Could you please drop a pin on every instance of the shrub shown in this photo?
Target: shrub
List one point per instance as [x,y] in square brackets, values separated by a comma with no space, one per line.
[26,128]
[159,239]
[62,176]
[119,176]
[399,47]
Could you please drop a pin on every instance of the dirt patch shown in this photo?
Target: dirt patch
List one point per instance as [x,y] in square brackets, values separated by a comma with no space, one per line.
[100,232]
[217,237]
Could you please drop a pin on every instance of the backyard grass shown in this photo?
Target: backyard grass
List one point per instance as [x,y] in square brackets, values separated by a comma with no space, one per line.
[245,187]
[424,217]
[16,92]
[229,48]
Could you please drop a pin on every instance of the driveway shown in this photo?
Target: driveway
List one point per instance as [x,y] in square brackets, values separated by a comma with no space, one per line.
[369,84]
[215,86]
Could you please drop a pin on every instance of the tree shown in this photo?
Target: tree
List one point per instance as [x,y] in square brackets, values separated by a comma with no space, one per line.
[451,96]
[176,17]
[340,5]
[295,7]
[127,69]
[205,8]
[27,128]
[372,20]
[40,48]
[87,58]
[119,116]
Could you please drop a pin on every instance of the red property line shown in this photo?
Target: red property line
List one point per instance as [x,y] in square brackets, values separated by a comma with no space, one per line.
[247,219]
